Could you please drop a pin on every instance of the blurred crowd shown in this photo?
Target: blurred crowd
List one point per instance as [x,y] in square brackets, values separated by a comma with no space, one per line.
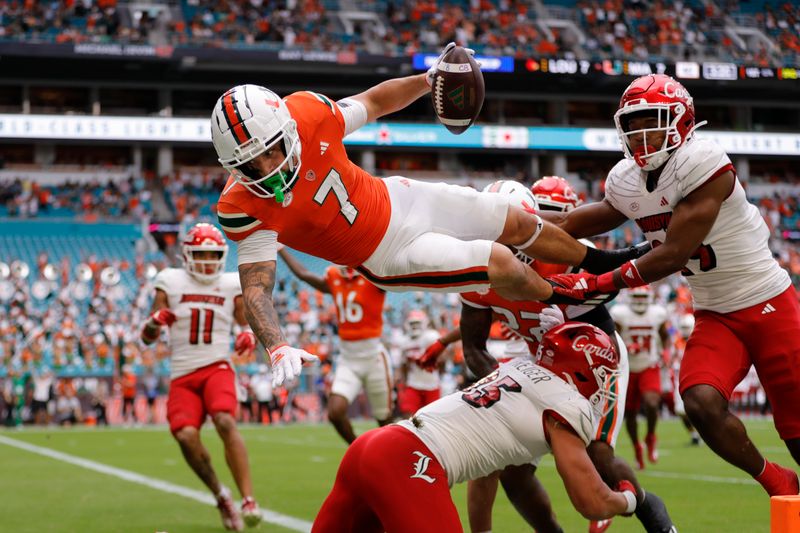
[625,29]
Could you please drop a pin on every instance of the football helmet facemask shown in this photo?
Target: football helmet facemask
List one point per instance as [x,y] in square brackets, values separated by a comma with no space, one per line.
[204,237]
[583,356]
[661,97]
[247,121]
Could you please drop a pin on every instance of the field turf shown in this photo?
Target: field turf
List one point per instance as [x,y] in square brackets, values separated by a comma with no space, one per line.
[293,469]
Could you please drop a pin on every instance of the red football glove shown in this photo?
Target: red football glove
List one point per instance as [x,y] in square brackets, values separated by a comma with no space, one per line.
[245,343]
[162,317]
[430,358]
[575,289]
[629,491]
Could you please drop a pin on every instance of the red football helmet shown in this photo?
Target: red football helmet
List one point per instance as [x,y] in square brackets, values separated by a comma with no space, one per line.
[416,323]
[583,356]
[664,98]
[204,237]
[641,298]
[554,193]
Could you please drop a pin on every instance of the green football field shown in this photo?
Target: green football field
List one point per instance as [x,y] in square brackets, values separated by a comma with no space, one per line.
[134,480]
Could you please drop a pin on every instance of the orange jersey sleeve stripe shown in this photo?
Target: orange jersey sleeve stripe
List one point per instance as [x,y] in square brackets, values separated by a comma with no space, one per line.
[237,225]
[467,276]
[233,118]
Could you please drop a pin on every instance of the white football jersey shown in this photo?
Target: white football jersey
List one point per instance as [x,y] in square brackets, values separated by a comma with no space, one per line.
[499,421]
[734,267]
[410,351]
[201,334]
[640,333]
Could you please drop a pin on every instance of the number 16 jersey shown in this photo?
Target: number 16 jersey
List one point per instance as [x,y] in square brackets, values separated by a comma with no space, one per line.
[201,334]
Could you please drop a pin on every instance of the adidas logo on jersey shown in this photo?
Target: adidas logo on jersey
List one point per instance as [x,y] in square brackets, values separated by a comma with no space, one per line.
[664,202]
[768,309]
[323,147]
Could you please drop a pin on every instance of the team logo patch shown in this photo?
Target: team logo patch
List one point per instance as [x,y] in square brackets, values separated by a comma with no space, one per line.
[287,200]
[634,206]
[311,175]
[457,96]
[421,466]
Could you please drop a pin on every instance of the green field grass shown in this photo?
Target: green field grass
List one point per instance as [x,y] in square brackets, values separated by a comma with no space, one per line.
[293,470]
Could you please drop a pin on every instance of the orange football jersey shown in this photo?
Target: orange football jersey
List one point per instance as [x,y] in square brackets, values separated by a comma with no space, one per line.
[335,210]
[522,317]
[359,305]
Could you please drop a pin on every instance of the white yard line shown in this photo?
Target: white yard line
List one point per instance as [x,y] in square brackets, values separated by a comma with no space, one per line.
[289,522]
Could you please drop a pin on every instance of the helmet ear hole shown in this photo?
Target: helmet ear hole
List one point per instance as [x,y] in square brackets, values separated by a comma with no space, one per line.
[580,377]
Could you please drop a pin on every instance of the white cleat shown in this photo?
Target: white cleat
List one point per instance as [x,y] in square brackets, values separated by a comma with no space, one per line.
[251,512]
[231,519]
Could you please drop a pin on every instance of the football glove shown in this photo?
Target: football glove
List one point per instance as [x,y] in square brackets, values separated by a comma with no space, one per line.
[430,358]
[245,343]
[550,317]
[287,363]
[162,317]
[435,65]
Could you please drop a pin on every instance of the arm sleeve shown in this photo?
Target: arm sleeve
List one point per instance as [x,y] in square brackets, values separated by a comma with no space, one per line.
[257,247]
[354,113]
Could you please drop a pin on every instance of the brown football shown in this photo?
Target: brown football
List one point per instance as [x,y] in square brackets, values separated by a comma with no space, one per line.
[457,90]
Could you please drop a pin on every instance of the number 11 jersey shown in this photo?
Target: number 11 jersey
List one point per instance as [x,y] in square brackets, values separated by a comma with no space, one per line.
[201,334]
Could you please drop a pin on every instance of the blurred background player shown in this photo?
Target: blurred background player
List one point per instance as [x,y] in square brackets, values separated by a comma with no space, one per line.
[363,360]
[515,415]
[682,333]
[199,303]
[643,326]
[528,321]
[416,387]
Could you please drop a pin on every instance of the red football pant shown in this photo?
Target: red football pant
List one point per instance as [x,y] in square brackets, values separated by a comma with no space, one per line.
[412,400]
[208,390]
[648,380]
[388,481]
[723,346]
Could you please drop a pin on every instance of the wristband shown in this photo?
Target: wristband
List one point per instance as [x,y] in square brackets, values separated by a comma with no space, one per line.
[536,233]
[630,275]
[631,499]
[277,347]
[605,282]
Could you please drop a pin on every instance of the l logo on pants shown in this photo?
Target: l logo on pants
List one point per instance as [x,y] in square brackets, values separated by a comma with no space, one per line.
[421,466]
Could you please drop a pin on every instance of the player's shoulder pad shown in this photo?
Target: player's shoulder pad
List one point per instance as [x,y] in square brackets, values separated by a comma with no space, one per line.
[697,161]
[618,311]
[168,279]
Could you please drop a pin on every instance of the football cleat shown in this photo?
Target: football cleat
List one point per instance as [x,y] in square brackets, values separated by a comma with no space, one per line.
[652,449]
[251,512]
[639,451]
[231,519]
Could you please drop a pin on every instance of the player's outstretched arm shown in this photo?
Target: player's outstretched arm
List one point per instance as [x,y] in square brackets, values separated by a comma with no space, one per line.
[587,220]
[297,268]
[160,315]
[475,326]
[392,95]
[587,491]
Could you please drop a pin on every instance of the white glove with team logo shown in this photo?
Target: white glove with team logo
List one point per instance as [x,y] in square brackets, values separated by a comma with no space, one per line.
[287,363]
[550,317]
[435,65]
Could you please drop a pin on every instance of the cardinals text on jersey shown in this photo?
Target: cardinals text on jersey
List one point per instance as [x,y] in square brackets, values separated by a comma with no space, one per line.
[498,421]
[201,333]
[733,268]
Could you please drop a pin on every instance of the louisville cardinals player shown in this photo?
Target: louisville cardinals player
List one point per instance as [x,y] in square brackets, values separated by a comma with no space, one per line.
[200,304]
[530,320]
[391,478]
[683,193]
[643,326]
[417,387]
[363,361]
[291,181]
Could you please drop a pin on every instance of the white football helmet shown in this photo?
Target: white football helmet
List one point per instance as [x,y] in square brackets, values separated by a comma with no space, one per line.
[521,197]
[247,121]
[686,325]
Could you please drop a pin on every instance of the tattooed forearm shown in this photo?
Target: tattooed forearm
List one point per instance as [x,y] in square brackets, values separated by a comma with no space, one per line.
[257,281]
